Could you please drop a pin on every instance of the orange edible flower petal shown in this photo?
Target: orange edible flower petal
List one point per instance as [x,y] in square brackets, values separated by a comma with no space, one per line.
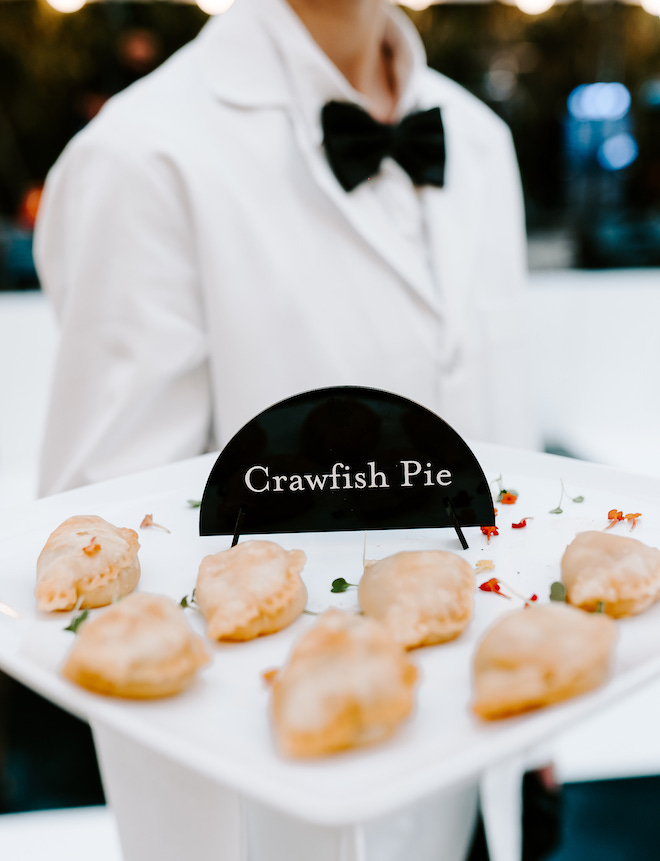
[270,676]
[633,519]
[489,530]
[493,585]
[148,520]
[484,565]
[522,524]
[613,516]
[92,548]
[508,498]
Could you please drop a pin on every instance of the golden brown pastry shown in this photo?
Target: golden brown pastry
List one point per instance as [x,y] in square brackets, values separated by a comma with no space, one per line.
[540,655]
[86,558]
[423,597]
[251,589]
[141,647]
[618,571]
[346,684]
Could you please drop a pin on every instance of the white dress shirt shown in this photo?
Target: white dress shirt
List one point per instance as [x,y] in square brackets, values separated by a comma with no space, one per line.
[315,80]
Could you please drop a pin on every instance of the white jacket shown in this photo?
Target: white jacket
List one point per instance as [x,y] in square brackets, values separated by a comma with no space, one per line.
[205,263]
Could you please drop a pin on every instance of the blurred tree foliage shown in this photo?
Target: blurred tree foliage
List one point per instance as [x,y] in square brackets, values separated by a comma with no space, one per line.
[525,67]
[55,71]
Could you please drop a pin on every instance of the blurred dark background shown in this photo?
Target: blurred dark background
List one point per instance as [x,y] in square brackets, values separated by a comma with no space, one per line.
[594,211]
[591,176]
[56,71]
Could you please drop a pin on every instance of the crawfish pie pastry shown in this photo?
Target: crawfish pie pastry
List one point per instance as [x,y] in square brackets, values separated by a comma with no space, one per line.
[620,572]
[86,559]
[423,597]
[540,655]
[251,589]
[347,683]
[141,647]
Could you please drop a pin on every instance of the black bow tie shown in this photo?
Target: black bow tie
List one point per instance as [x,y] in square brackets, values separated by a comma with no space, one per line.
[356,143]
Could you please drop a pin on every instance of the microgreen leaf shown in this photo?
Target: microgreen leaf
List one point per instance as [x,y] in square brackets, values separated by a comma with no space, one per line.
[74,624]
[558,509]
[194,503]
[557,591]
[189,603]
[340,585]
[601,607]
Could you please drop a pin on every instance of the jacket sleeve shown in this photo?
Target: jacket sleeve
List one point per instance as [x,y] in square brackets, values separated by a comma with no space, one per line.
[115,253]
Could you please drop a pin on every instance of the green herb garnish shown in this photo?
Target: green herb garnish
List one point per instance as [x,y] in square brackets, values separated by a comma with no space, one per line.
[77,622]
[601,607]
[194,503]
[189,603]
[558,509]
[340,585]
[557,591]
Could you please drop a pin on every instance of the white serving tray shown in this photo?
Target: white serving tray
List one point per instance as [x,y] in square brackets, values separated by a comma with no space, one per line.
[220,727]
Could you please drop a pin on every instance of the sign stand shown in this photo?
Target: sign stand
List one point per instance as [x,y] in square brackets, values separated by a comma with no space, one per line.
[240,518]
[456,524]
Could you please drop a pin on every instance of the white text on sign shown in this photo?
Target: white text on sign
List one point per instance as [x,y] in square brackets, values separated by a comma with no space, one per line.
[412,473]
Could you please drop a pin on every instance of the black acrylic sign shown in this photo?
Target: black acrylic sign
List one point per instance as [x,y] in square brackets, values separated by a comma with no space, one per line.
[345,458]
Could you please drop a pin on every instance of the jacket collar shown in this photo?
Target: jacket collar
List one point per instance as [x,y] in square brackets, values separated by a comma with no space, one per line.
[270,30]
[300,81]
[226,48]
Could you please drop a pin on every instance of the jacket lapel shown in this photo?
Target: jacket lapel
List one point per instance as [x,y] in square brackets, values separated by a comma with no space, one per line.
[454,213]
[452,250]
[367,216]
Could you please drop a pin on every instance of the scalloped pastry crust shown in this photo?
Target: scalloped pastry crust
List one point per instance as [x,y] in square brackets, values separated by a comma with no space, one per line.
[346,684]
[620,572]
[141,647]
[423,597]
[67,573]
[250,590]
[540,655]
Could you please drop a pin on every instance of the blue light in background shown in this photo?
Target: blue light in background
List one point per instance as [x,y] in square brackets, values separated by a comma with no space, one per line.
[602,101]
[617,152]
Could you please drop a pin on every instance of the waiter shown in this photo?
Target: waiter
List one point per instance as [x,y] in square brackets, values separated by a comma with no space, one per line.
[292,201]
[215,241]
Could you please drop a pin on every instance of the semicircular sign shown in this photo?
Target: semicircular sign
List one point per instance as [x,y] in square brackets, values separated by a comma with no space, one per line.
[345,458]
